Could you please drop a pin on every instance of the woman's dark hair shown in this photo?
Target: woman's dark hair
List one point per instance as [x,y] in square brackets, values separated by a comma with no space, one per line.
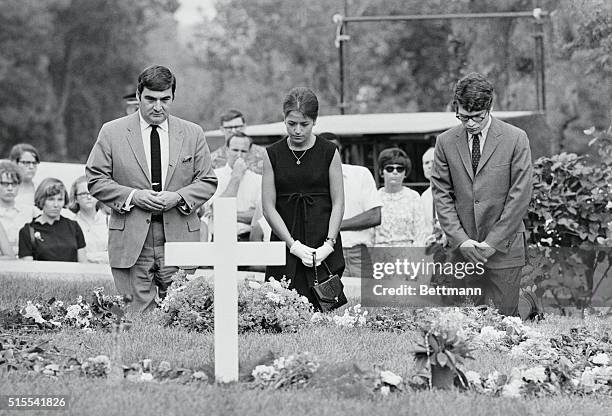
[156,78]
[474,92]
[46,189]
[19,149]
[301,99]
[10,169]
[394,156]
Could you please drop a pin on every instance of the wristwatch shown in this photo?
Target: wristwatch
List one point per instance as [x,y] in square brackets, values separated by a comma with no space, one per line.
[331,240]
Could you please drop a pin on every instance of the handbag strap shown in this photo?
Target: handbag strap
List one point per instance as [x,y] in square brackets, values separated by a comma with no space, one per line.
[314,266]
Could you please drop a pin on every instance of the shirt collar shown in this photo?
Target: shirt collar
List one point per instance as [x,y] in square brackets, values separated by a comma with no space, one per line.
[144,125]
[484,131]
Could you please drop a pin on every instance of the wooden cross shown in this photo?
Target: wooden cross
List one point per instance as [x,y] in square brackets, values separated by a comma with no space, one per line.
[225,254]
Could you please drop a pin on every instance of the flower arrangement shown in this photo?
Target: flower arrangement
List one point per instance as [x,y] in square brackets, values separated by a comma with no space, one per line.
[101,312]
[262,307]
[294,370]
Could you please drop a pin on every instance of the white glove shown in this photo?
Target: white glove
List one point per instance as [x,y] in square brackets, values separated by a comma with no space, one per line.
[302,252]
[323,252]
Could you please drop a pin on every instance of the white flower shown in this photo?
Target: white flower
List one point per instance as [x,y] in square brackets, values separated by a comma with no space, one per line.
[304,299]
[38,237]
[609,205]
[264,372]
[275,284]
[254,285]
[390,378]
[489,335]
[275,297]
[72,312]
[31,311]
[473,377]
[102,359]
[601,359]
[146,377]
[279,363]
[513,389]
[536,374]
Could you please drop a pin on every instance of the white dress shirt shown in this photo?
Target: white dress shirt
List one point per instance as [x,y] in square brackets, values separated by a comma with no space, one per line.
[164,145]
[360,195]
[483,136]
[248,196]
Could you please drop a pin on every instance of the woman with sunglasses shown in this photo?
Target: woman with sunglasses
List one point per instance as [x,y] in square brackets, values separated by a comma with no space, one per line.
[403,223]
[303,196]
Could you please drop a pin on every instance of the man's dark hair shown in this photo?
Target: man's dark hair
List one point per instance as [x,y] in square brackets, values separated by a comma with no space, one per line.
[240,134]
[332,138]
[230,115]
[156,78]
[474,92]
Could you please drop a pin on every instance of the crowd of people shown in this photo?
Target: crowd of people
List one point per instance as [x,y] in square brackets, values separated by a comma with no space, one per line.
[150,178]
[44,221]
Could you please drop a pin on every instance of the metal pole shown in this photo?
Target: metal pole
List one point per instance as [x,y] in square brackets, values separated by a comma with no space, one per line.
[443,16]
[341,61]
[345,37]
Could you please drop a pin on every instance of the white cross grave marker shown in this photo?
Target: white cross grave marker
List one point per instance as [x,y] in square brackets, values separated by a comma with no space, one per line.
[225,254]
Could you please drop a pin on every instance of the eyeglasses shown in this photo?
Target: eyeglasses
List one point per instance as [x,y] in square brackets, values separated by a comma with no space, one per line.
[7,184]
[79,194]
[28,163]
[476,118]
[238,127]
[391,168]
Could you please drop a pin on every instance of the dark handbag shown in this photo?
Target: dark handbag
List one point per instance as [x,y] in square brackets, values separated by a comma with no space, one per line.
[329,294]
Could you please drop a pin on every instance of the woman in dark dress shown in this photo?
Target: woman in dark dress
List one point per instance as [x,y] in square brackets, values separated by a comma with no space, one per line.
[50,236]
[303,196]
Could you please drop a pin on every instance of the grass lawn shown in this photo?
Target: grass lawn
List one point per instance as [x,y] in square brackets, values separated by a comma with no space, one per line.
[147,339]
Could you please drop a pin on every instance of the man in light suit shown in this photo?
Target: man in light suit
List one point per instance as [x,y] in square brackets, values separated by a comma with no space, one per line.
[481,183]
[154,171]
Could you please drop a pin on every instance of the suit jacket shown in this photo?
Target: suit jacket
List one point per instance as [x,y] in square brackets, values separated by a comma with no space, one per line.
[117,164]
[490,205]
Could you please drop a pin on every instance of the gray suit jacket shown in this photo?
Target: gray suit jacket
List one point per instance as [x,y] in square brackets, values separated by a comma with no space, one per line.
[117,164]
[490,205]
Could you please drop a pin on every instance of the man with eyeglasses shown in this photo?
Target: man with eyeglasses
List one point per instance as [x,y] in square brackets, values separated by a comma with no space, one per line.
[230,123]
[481,184]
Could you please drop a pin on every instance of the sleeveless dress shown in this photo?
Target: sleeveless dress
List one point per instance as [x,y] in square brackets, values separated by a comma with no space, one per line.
[304,203]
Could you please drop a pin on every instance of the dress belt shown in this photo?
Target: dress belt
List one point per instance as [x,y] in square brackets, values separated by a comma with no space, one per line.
[302,200]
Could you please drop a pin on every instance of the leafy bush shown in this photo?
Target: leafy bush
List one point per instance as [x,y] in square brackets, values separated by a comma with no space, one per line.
[571,211]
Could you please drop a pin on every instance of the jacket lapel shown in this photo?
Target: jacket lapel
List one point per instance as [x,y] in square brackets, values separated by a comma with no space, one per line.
[493,139]
[464,151]
[175,136]
[134,138]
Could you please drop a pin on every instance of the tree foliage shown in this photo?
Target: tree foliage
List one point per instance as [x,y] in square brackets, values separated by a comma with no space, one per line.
[64,64]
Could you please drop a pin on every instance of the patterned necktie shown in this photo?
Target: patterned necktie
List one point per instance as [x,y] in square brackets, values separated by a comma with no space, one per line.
[475,151]
[155,159]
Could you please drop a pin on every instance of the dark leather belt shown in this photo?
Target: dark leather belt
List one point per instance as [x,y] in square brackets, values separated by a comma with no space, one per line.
[157,218]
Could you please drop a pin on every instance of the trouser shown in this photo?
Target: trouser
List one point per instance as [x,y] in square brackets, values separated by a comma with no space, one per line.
[358,262]
[499,287]
[148,277]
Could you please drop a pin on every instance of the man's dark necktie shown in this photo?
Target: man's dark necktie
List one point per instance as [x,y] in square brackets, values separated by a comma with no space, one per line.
[475,151]
[156,176]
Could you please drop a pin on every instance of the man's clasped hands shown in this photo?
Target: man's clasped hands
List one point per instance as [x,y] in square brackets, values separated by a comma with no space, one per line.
[150,200]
